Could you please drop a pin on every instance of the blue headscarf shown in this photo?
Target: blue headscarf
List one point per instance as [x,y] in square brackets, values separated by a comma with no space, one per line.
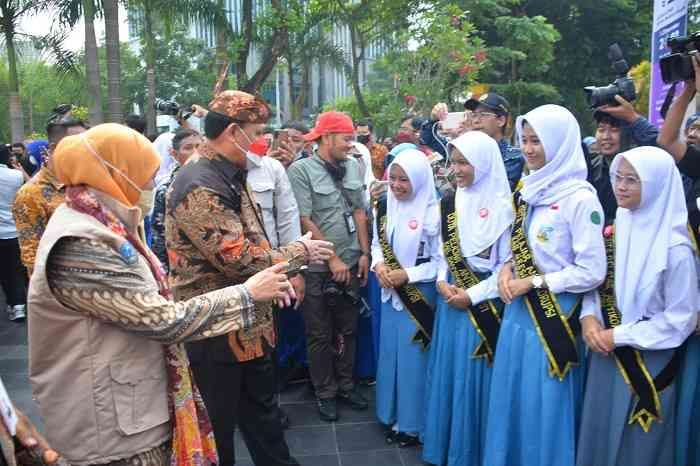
[37,151]
[691,119]
[396,151]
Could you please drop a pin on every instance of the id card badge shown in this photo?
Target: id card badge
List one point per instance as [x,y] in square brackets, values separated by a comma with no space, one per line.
[350,223]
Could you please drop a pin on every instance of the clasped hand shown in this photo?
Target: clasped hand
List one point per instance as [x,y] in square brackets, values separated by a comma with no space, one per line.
[510,287]
[388,278]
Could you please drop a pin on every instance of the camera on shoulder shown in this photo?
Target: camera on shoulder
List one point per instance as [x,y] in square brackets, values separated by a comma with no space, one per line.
[172,108]
[622,86]
[678,65]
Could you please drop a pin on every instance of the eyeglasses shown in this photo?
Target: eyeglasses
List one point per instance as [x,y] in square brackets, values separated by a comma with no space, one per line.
[626,180]
[479,115]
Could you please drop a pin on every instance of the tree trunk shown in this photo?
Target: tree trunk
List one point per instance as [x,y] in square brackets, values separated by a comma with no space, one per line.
[298,107]
[221,57]
[355,75]
[94,81]
[16,116]
[150,58]
[275,48]
[244,51]
[114,98]
[290,87]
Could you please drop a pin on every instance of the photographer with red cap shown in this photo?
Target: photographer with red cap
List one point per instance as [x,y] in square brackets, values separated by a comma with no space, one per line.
[329,190]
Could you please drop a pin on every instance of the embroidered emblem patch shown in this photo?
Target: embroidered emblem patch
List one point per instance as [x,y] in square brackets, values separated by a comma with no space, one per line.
[483,212]
[413,224]
[128,253]
[595,217]
[545,233]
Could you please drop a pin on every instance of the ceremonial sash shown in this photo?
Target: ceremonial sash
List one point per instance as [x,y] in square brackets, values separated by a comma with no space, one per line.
[421,312]
[553,328]
[484,316]
[630,361]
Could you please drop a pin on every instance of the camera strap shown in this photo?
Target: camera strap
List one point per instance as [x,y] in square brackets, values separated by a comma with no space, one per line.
[668,100]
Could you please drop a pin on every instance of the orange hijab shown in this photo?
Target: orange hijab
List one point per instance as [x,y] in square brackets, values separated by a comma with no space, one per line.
[90,159]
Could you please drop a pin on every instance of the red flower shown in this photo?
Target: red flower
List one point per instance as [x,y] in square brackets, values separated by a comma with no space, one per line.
[409,99]
[480,56]
[466,69]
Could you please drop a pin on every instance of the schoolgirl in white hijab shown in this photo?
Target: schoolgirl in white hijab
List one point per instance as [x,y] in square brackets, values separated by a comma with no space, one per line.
[457,404]
[656,292]
[412,230]
[533,409]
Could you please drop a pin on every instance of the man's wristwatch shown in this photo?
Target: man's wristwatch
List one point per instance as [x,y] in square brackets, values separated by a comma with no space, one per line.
[537,282]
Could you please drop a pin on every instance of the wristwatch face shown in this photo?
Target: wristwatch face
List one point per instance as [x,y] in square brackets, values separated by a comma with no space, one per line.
[537,281]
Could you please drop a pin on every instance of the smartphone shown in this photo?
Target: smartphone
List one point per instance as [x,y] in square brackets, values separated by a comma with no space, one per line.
[293,272]
[281,136]
[453,121]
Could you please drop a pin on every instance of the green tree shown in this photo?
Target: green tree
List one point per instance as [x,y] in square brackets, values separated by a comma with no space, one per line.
[368,22]
[161,17]
[308,44]
[70,12]
[588,28]
[113,59]
[11,12]
[182,64]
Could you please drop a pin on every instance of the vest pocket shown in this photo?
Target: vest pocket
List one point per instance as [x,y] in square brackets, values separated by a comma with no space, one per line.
[140,392]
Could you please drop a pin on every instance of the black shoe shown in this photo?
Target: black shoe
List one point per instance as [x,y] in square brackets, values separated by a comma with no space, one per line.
[407,441]
[284,419]
[354,399]
[391,436]
[367,382]
[327,409]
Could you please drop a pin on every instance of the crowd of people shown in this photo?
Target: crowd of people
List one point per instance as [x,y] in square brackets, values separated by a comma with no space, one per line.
[518,301]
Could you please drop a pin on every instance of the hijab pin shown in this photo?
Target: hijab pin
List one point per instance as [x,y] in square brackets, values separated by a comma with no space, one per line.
[483,212]
[413,224]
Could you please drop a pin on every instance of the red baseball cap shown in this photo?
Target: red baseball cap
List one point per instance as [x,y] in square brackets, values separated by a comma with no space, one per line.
[331,123]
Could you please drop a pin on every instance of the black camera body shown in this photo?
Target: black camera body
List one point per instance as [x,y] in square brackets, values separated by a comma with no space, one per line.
[678,65]
[172,108]
[334,291]
[622,86]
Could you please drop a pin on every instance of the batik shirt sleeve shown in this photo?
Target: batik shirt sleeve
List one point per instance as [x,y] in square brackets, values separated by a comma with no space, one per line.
[217,232]
[93,278]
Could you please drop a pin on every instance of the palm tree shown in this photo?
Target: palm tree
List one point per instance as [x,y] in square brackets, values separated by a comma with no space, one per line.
[11,12]
[70,12]
[114,98]
[163,15]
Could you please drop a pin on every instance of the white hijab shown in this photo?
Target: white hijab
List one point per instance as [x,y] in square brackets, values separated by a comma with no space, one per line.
[565,171]
[484,209]
[644,235]
[406,220]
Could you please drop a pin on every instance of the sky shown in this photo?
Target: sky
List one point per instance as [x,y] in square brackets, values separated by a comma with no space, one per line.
[42,22]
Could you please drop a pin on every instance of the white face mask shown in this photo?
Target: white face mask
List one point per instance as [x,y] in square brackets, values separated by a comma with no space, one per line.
[250,141]
[145,203]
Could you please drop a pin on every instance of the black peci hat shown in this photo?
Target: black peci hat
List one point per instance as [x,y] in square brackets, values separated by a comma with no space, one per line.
[491,100]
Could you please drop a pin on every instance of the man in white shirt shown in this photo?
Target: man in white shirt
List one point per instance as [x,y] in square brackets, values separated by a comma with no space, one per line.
[13,276]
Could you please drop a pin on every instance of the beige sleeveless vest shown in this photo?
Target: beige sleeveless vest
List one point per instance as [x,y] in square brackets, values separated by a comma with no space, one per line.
[102,391]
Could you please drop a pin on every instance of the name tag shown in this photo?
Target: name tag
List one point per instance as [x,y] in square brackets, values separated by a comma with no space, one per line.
[350,223]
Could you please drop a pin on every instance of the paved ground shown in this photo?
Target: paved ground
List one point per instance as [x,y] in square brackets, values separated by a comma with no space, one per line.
[357,440]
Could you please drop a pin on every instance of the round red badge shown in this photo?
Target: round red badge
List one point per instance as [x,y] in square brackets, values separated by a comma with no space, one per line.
[413,224]
[483,212]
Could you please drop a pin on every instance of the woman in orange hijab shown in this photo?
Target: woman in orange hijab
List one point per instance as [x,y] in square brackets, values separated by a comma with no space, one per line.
[106,362]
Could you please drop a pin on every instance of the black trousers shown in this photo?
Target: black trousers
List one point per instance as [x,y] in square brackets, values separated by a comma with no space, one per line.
[243,394]
[13,275]
[330,336]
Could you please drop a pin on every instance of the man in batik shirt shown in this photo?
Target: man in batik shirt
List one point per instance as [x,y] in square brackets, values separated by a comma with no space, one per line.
[215,238]
[38,198]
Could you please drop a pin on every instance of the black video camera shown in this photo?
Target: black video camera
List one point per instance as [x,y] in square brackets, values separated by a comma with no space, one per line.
[678,66]
[172,108]
[622,86]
